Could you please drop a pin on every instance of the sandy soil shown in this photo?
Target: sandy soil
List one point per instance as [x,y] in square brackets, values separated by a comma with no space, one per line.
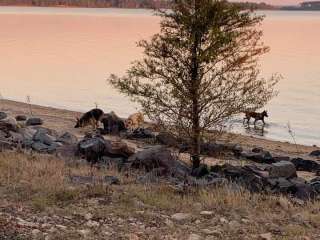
[64,120]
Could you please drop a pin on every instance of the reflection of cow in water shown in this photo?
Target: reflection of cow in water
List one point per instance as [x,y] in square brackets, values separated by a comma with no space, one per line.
[256,116]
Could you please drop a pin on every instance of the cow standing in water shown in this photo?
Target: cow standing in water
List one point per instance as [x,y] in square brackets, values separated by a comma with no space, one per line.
[256,116]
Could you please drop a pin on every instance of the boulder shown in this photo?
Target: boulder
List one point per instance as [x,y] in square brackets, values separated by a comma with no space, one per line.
[92,148]
[306,165]
[158,157]
[67,138]
[168,139]
[257,150]
[52,148]
[42,136]
[259,157]
[281,158]
[49,131]
[39,147]
[315,184]
[237,150]
[280,185]
[118,149]
[315,153]
[3,115]
[9,124]
[34,121]
[27,132]
[21,118]
[283,169]
[211,149]
[242,175]
[304,192]
[16,137]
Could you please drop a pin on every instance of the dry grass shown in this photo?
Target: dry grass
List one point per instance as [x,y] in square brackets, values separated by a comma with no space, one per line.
[44,180]
[42,183]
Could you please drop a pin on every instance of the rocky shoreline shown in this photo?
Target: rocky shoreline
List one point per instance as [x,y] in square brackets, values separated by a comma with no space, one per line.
[58,182]
[255,168]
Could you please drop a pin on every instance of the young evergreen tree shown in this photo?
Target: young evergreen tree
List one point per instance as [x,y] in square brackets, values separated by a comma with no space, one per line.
[200,70]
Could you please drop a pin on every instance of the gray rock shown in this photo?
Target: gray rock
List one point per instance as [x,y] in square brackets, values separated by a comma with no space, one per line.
[212,149]
[27,143]
[16,137]
[259,157]
[158,157]
[42,136]
[304,192]
[315,184]
[280,184]
[206,213]
[21,118]
[9,124]
[257,150]
[281,158]
[283,169]
[306,165]
[39,147]
[53,147]
[27,132]
[245,176]
[118,149]
[315,153]
[34,122]
[181,216]
[92,148]
[3,115]
[67,138]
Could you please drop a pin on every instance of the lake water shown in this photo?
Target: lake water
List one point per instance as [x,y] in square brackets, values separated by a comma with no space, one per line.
[61,57]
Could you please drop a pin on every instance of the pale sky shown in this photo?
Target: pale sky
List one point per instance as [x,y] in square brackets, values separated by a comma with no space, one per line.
[276,2]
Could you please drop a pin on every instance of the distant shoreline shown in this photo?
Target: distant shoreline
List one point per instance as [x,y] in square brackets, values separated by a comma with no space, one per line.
[285,8]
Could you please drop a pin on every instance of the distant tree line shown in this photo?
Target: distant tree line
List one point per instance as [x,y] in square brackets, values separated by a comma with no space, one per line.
[89,3]
[256,6]
[115,3]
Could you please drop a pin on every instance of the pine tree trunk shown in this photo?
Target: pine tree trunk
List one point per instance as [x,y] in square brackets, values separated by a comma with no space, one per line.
[196,132]
[196,150]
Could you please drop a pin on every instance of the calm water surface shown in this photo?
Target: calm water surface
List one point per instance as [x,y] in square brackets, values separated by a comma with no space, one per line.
[62,57]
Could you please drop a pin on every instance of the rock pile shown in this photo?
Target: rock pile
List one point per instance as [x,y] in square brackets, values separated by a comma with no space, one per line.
[94,148]
[30,135]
